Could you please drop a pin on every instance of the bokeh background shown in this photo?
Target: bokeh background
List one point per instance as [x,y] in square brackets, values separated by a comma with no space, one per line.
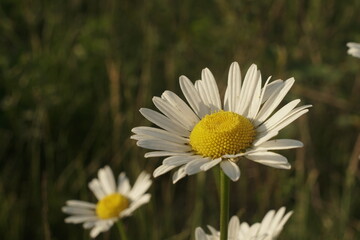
[74,73]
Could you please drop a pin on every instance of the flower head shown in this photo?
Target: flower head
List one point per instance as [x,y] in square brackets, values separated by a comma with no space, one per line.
[354,49]
[199,135]
[114,201]
[268,229]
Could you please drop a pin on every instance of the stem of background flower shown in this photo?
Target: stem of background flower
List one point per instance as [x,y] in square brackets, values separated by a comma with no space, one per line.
[224,205]
[120,227]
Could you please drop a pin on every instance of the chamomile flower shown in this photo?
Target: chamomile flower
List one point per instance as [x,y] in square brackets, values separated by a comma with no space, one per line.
[199,135]
[115,201]
[354,49]
[268,229]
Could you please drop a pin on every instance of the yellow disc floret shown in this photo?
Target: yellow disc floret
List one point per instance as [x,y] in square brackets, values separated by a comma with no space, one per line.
[111,206]
[222,133]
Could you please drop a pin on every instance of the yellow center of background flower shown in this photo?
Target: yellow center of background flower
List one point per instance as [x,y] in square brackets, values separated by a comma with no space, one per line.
[222,133]
[111,206]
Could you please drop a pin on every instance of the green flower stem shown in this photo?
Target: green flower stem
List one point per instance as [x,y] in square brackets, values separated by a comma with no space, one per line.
[224,205]
[121,229]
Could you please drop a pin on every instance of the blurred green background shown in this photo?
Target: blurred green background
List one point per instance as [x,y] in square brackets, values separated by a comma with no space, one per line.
[74,73]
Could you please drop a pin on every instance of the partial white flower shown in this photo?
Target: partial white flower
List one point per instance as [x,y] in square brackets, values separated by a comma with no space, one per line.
[115,201]
[199,135]
[354,49]
[268,229]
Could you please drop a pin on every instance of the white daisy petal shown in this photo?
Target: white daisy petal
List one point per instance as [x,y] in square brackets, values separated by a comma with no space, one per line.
[135,205]
[99,228]
[150,132]
[81,204]
[233,89]
[254,229]
[280,144]
[276,220]
[204,95]
[181,106]
[161,145]
[211,163]
[178,160]
[123,184]
[266,222]
[213,231]
[278,116]
[233,228]
[141,185]
[96,231]
[101,216]
[193,97]
[162,169]
[179,174]
[78,211]
[354,49]
[272,164]
[97,189]
[212,89]
[173,114]
[247,90]
[88,225]
[255,106]
[194,166]
[288,120]
[164,154]
[230,169]
[255,99]
[353,45]
[280,226]
[107,181]
[267,157]
[141,137]
[268,229]
[200,234]
[274,101]
[272,87]
[264,137]
[244,228]
[273,122]
[79,219]
[164,122]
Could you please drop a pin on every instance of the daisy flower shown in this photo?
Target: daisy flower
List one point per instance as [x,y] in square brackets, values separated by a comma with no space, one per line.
[269,228]
[114,201]
[199,135]
[354,49]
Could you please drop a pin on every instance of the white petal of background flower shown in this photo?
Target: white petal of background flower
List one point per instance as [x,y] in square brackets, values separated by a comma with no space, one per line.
[269,228]
[105,186]
[354,49]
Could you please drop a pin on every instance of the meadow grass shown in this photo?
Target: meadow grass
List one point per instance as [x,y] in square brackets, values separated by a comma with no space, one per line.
[74,73]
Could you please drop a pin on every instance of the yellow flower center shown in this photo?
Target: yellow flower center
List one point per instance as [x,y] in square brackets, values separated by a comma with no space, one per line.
[111,206]
[222,133]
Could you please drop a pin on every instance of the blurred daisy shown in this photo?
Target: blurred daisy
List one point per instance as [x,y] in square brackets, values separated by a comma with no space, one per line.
[114,202]
[354,49]
[269,228]
[207,133]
